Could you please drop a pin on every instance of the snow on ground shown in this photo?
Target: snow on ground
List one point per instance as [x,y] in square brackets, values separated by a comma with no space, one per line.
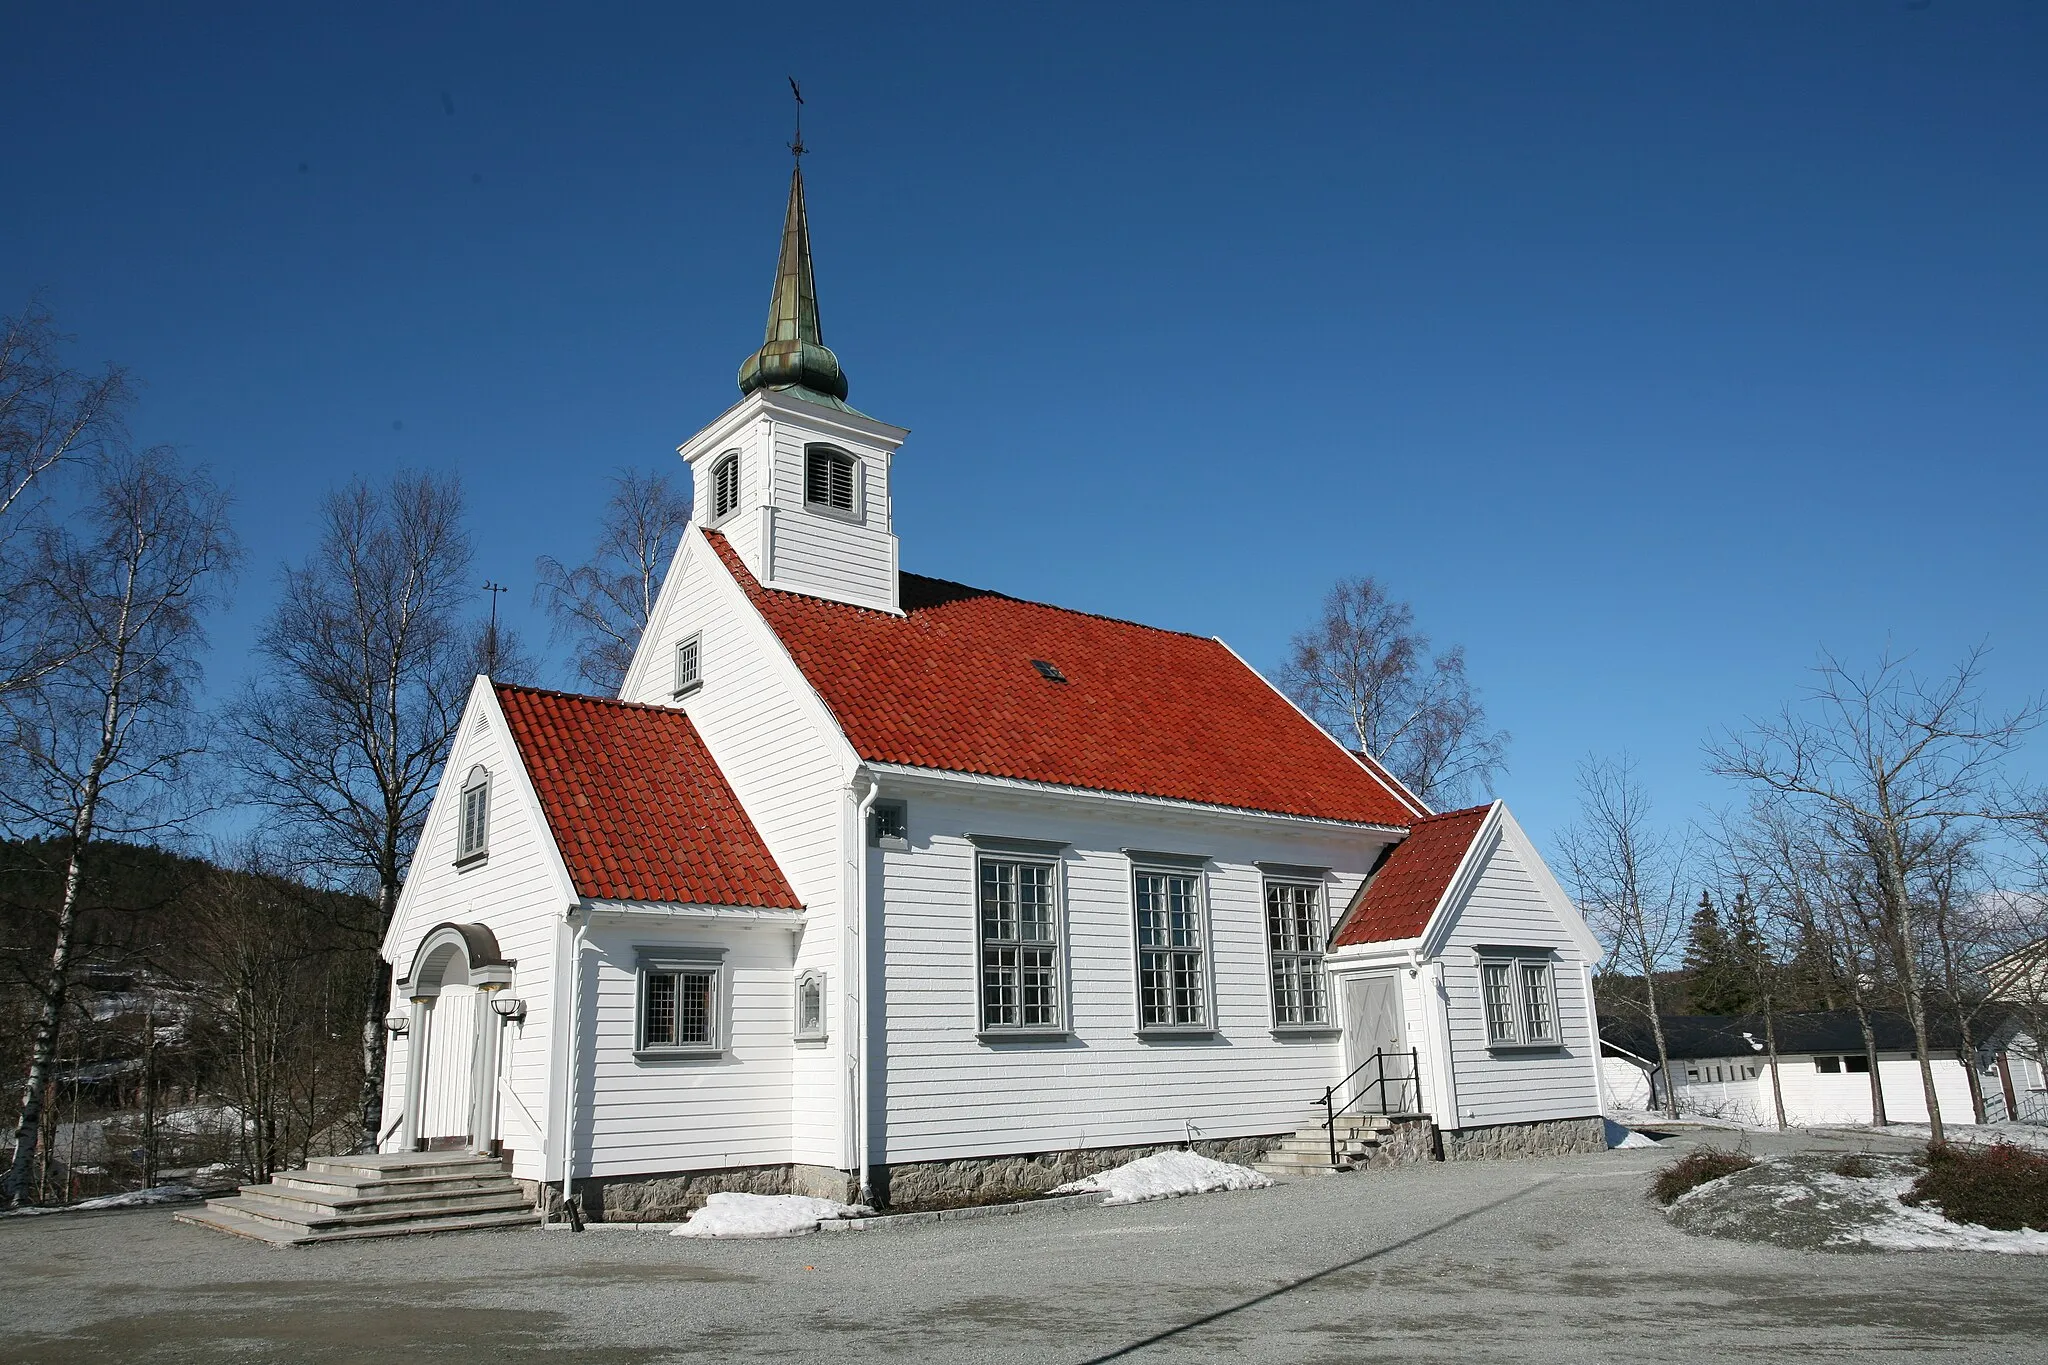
[130,1199]
[764,1215]
[2029,1135]
[1620,1138]
[1165,1175]
[1801,1202]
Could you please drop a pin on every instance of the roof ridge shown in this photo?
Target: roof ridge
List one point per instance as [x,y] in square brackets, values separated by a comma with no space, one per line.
[1480,809]
[588,697]
[979,592]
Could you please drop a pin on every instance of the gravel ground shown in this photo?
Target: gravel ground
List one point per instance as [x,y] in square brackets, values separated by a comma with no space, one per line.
[1549,1260]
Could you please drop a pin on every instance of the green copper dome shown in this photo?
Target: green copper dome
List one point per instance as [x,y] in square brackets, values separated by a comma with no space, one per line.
[792,354]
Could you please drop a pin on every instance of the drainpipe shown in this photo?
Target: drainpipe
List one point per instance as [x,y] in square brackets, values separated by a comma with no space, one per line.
[857,970]
[569,1022]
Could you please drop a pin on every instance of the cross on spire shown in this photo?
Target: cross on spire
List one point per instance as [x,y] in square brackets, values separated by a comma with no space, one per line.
[797,145]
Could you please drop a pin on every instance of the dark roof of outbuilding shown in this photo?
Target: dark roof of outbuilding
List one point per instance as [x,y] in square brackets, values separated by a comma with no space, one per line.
[1690,1036]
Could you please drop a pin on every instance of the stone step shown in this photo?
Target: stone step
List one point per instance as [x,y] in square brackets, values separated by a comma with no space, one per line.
[404,1165]
[375,1199]
[237,1224]
[345,1185]
[300,1221]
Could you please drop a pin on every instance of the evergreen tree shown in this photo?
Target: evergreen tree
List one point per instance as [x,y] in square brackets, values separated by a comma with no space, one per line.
[1713,965]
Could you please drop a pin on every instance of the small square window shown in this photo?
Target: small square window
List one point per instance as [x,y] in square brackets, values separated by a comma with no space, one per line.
[1829,1066]
[1858,1065]
[889,824]
[810,1007]
[676,1009]
[689,664]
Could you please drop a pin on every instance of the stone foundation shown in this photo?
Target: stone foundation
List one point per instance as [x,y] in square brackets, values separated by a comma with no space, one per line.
[1552,1137]
[915,1182]
[1411,1140]
[672,1198]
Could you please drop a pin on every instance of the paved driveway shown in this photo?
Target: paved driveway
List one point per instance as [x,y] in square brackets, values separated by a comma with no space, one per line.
[1557,1260]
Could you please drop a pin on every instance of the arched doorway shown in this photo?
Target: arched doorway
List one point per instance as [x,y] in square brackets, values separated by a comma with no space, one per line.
[452,1061]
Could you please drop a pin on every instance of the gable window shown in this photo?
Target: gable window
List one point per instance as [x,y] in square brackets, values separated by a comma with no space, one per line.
[1294,937]
[725,486]
[831,480]
[810,1007]
[1173,969]
[472,839]
[1519,998]
[1020,945]
[689,663]
[679,1001]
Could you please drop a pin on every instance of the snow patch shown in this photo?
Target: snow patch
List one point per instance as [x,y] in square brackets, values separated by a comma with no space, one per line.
[1166,1175]
[765,1215]
[1620,1138]
[131,1199]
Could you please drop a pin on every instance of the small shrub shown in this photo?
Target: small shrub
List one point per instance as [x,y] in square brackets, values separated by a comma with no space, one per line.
[1695,1169]
[1858,1166]
[2001,1186]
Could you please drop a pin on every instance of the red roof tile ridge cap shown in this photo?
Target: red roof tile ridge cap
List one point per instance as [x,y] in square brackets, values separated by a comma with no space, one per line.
[718,537]
[1464,813]
[503,688]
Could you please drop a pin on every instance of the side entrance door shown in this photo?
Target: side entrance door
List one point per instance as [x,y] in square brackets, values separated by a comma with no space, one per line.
[1374,1020]
[451,1062]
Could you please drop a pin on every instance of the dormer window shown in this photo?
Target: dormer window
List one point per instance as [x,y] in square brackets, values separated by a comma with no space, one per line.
[472,839]
[831,481]
[725,486]
[689,663]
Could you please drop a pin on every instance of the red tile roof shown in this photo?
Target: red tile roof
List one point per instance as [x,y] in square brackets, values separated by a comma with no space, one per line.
[637,806]
[953,685]
[1397,903]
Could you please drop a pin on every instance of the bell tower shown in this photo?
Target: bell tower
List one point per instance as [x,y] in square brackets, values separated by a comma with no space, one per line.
[794,478]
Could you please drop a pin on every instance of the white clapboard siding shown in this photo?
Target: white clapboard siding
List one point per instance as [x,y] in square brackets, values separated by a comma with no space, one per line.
[770,741]
[515,893]
[833,554]
[1505,907]
[640,1116]
[950,1095]
[1814,1096]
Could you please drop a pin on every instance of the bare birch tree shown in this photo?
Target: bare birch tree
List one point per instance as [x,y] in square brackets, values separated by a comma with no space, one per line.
[99,747]
[1628,878]
[1367,675]
[604,603]
[366,664]
[51,416]
[1890,768]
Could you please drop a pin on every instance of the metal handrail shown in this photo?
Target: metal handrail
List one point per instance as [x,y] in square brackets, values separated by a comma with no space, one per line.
[1378,1061]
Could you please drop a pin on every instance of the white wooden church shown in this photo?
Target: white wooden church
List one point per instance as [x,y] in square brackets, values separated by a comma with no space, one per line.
[875,884]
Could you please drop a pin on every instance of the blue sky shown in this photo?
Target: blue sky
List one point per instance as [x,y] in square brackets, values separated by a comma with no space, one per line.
[1646,349]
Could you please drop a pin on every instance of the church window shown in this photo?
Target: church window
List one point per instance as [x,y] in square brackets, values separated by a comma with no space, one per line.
[810,1006]
[1519,998]
[1020,945]
[680,1000]
[689,663]
[1294,937]
[831,480]
[1173,971]
[473,835]
[725,486]
[889,824]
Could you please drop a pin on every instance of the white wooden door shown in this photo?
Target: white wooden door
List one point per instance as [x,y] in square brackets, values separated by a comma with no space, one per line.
[451,1061]
[1375,1021]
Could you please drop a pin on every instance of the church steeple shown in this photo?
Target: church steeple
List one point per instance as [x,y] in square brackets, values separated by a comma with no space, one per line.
[793,354]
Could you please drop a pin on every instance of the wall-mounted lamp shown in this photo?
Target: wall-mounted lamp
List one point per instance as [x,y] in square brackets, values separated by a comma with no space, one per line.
[508,1007]
[398,1022]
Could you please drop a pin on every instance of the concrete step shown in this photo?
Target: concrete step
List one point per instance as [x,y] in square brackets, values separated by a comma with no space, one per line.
[347,1186]
[237,1224]
[405,1165]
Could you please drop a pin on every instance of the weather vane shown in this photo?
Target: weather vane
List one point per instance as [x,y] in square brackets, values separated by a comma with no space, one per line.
[494,589]
[798,145]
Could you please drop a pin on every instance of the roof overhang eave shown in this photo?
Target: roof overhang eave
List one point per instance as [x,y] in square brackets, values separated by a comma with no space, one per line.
[680,912]
[953,777]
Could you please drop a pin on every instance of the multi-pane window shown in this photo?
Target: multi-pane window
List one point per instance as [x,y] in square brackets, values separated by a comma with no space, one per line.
[1520,1001]
[1538,1018]
[810,1005]
[676,1008]
[889,824]
[1020,969]
[1294,938]
[689,663]
[830,479]
[473,837]
[1173,984]
[725,486]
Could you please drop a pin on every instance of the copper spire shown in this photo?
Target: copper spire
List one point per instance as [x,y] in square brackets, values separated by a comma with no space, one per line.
[793,354]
